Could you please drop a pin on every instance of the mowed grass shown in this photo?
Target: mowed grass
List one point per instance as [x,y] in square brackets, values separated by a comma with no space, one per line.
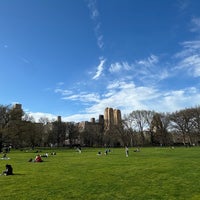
[153,173]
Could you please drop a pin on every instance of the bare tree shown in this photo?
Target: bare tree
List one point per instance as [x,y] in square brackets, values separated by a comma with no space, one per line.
[195,124]
[140,121]
[182,122]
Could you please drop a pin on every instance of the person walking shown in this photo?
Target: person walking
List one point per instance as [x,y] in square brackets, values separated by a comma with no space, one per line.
[126,151]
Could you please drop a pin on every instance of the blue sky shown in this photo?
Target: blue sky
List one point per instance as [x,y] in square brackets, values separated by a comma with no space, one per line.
[74,58]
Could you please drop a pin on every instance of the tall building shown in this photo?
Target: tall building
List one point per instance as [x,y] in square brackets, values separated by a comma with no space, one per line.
[111,118]
[117,117]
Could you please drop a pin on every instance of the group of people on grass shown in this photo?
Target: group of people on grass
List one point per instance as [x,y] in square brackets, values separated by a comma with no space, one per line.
[38,158]
[99,153]
[9,169]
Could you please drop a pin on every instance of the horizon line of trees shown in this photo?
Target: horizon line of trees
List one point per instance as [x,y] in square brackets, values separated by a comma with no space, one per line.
[138,128]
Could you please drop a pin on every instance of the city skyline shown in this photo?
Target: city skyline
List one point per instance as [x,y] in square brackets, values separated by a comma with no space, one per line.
[75,58]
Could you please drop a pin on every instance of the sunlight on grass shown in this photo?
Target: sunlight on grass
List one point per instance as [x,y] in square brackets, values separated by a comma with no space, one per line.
[153,173]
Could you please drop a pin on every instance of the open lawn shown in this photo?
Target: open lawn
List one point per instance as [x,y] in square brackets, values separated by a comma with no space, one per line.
[154,173]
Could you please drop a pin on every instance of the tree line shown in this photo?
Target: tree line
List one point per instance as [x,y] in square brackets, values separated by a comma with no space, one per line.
[138,128]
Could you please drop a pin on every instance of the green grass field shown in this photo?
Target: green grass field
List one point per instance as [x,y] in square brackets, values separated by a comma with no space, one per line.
[153,173]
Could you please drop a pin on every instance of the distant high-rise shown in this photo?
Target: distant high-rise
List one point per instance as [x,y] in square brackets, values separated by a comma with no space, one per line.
[59,118]
[117,117]
[111,118]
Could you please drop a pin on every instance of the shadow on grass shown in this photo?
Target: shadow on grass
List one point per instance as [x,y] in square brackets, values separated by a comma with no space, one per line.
[18,174]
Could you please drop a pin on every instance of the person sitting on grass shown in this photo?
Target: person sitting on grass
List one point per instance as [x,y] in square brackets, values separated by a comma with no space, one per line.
[106,152]
[38,158]
[8,171]
[45,155]
[4,157]
[137,150]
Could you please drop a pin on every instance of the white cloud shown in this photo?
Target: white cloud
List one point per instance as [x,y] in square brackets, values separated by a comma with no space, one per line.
[180,99]
[129,97]
[63,92]
[93,9]
[79,117]
[191,45]
[150,70]
[125,96]
[94,13]
[183,4]
[192,63]
[113,85]
[195,24]
[99,69]
[38,115]
[189,57]
[116,67]
[147,71]
[60,83]
[83,97]
[100,41]
[150,61]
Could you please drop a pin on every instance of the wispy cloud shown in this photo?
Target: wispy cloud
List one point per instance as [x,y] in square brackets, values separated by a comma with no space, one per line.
[94,14]
[100,68]
[78,117]
[77,96]
[195,23]
[60,83]
[83,97]
[147,70]
[117,67]
[183,4]
[100,41]
[63,92]
[25,60]
[149,62]
[127,96]
[189,57]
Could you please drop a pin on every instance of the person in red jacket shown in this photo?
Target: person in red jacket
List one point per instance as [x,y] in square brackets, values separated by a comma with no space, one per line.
[38,158]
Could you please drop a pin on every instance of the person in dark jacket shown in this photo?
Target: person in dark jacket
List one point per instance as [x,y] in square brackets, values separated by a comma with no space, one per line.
[8,171]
